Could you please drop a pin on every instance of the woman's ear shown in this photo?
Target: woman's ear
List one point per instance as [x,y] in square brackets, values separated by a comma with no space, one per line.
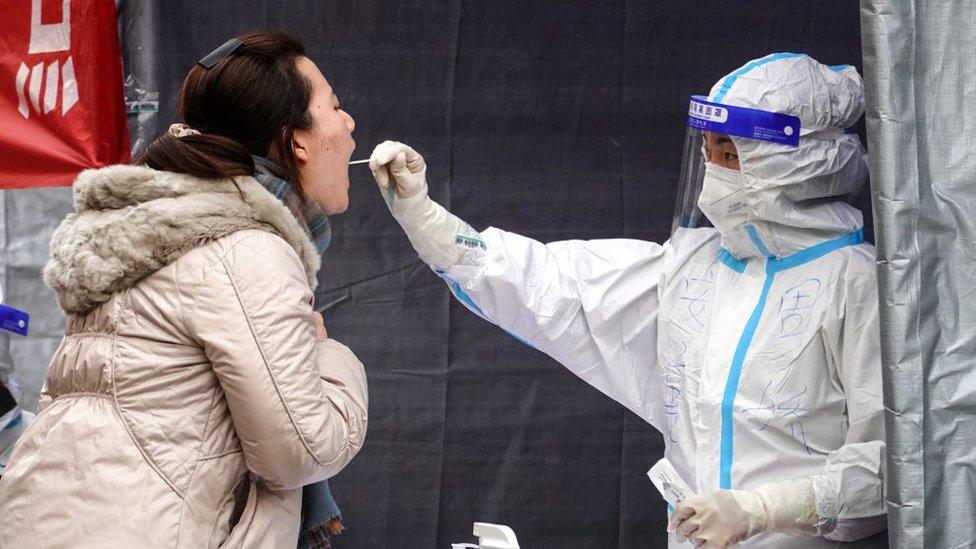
[299,145]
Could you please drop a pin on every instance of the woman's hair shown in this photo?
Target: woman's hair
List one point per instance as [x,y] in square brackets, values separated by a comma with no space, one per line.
[249,103]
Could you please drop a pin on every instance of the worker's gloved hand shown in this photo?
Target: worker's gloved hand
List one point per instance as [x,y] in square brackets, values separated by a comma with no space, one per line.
[724,517]
[719,519]
[439,237]
[399,170]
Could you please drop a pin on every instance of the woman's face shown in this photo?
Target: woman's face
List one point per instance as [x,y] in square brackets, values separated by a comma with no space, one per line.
[720,150]
[323,151]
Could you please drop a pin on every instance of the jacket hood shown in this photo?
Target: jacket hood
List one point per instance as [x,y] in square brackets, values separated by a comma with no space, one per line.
[130,221]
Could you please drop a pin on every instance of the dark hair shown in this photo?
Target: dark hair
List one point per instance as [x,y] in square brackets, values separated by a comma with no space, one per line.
[250,103]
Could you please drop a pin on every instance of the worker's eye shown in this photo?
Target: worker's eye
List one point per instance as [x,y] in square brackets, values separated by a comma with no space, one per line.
[730,156]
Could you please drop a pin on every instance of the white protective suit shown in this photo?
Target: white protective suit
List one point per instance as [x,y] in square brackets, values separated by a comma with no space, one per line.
[13,421]
[754,350]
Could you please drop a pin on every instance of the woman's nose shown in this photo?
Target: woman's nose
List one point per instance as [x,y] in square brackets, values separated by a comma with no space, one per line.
[350,123]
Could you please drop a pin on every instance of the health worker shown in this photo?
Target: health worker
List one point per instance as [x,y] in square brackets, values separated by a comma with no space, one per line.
[751,344]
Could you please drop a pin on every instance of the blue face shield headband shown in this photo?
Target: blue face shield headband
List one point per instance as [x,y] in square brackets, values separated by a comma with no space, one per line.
[14,320]
[743,122]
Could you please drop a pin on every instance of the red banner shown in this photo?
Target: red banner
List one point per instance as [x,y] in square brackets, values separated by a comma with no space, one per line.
[61,103]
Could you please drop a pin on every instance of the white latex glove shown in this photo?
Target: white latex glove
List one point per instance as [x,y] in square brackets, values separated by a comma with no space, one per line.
[725,517]
[439,237]
[399,170]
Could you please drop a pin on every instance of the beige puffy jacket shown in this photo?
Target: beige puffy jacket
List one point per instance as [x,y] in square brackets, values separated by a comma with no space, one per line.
[190,400]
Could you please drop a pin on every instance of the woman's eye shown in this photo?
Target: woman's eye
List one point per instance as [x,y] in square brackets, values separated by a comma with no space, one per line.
[729,157]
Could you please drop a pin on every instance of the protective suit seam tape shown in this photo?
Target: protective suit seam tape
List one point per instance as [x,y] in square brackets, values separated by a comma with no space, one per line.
[773,266]
[14,422]
[730,261]
[730,79]
[468,302]
[732,384]
[756,241]
[818,251]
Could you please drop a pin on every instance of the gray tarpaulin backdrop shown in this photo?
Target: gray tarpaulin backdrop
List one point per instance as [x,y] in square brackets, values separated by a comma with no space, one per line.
[553,119]
[921,83]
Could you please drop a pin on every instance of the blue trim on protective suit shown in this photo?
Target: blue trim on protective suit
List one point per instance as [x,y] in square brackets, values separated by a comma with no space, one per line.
[14,422]
[730,261]
[466,300]
[732,383]
[773,266]
[838,68]
[730,79]
[820,250]
[757,242]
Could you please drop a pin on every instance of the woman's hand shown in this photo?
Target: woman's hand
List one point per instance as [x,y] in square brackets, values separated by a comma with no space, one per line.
[321,333]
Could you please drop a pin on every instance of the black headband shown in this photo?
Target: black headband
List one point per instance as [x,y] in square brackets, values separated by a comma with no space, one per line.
[220,53]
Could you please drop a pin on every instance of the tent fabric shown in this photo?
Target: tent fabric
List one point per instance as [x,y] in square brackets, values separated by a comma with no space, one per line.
[920,77]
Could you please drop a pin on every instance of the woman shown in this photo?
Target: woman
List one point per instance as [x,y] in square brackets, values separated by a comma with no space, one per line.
[196,392]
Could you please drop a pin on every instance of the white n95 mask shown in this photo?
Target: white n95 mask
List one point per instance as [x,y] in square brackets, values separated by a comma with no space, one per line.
[722,198]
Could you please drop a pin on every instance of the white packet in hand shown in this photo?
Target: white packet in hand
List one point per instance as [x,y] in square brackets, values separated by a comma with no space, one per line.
[667,481]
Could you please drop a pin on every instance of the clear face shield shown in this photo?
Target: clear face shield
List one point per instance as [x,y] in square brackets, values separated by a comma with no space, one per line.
[710,126]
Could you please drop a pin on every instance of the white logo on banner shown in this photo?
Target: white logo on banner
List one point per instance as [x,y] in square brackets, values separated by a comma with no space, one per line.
[48,38]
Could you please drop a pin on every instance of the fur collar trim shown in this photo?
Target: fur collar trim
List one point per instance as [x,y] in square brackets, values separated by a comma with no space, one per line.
[130,221]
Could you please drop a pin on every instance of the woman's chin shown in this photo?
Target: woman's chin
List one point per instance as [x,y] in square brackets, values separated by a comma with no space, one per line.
[335,207]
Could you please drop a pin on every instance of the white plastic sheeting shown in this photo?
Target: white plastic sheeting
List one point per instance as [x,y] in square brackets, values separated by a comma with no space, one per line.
[27,219]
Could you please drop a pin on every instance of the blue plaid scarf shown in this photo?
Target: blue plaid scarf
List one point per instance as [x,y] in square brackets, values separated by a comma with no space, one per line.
[307,212]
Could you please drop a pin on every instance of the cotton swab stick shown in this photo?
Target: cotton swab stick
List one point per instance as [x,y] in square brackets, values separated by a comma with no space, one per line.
[363,161]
